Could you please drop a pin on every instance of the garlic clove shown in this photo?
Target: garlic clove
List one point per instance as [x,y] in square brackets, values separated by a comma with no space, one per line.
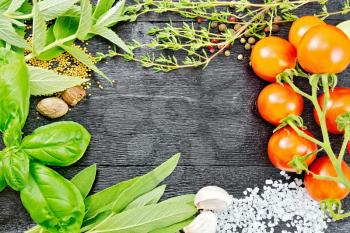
[205,222]
[212,198]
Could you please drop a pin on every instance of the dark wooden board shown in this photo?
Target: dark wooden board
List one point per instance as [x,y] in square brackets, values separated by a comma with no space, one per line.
[208,115]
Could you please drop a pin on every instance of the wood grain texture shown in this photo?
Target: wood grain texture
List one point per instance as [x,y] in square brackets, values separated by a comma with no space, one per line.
[209,116]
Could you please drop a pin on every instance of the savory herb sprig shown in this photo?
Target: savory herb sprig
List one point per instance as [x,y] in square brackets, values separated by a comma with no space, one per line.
[253,19]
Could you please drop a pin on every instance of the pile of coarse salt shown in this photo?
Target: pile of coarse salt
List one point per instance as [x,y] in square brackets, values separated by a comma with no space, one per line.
[280,207]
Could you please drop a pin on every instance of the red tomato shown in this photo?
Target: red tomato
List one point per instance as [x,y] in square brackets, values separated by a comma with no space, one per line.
[324,49]
[285,143]
[324,189]
[277,101]
[301,26]
[338,104]
[271,56]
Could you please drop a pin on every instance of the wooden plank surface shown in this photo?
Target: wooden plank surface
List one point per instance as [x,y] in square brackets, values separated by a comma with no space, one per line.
[209,116]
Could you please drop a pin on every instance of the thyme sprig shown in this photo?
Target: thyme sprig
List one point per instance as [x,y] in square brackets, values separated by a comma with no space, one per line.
[189,45]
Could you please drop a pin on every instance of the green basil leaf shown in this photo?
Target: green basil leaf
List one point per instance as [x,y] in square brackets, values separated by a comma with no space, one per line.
[102,7]
[174,228]
[85,22]
[103,200]
[51,53]
[14,98]
[81,56]
[112,16]
[85,179]
[52,9]
[52,201]
[12,136]
[112,37]
[147,218]
[16,169]
[58,144]
[145,183]
[15,5]
[149,198]
[47,82]
[3,183]
[65,26]
[39,29]
[9,35]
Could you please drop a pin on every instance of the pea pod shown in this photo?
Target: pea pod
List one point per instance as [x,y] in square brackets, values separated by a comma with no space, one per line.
[14,98]
[57,144]
[16,169]
[52,201]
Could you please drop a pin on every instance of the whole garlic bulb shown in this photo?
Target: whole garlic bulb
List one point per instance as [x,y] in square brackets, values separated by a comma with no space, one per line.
[212,198]
[205,222]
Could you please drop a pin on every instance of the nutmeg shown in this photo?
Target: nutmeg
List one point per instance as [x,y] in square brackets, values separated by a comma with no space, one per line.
[52,107]
[73,95]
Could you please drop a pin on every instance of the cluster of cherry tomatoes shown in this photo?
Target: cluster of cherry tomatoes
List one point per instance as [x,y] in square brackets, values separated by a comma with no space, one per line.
[319,48]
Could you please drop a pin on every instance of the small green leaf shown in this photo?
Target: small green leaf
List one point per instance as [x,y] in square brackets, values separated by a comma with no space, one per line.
[85,179]
[57,144]
[16,169]
[102,7]
[188,199]
[149,198]
[3,183]
[39,29]
[65,26]
[81,56]
[85,23]
[112,37]
[52,9]
[345,27]
[15,5]
[51,53]
[112,16]
[177,227]
[147,218]
[9,35]
[47,82]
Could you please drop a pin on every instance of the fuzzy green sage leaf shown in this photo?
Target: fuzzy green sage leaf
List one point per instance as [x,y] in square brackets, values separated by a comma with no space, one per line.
[149,198]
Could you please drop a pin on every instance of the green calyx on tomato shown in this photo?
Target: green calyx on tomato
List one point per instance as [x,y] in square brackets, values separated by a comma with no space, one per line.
[271,56]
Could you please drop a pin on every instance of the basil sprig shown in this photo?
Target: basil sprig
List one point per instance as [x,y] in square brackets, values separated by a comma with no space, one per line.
[52,201]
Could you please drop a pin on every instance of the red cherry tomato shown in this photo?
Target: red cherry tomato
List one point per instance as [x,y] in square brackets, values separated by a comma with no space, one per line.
[271,56]
[284,144]
[323,189]
[324,49]
[301,26]
[338,104]
[277,101]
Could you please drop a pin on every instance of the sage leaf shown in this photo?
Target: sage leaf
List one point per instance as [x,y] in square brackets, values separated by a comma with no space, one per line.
[145,183]
[52,201]
[103,200]
[112,37]
[147,218]
[102,7]
[14,97]
[52,9]
[15,5]
[81,56]
[84,180]
[3,183]
[112,16]
[58,144]
[188,199]
[174,228]
[16,169]
[39,29]
[9,34]
[149,198]
[90,224]
[47,82]
[12,136]
[85,23]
